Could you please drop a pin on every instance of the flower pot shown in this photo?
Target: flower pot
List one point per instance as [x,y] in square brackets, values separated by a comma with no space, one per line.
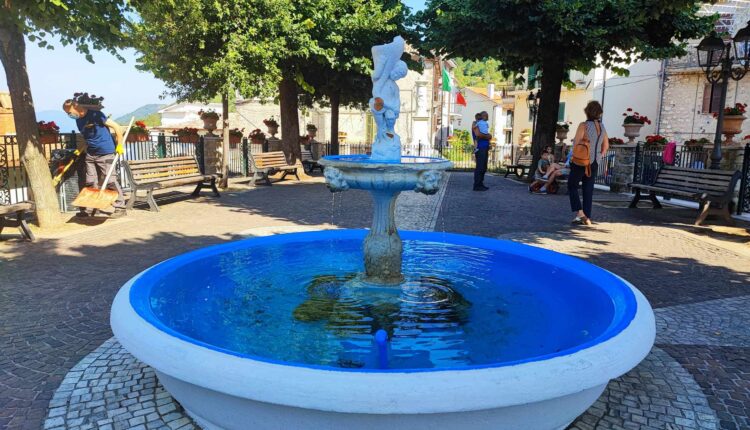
[273,130]
[561,134]
[188,138]
[731,126]
[234,140]
[209,123]
[257,141]
[138,137]
[48,139]
[632,131]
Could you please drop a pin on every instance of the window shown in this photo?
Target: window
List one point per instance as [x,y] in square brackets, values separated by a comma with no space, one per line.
[711,98]
[561,112]
[533,72]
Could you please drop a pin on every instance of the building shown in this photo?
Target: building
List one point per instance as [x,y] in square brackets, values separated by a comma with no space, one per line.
[179,115]
[7,124]
[497,101]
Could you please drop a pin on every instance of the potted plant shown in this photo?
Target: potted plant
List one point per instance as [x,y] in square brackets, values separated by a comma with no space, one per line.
[561,131]
[257,137]
[187,134]
[616,141]
[235,136]
[209,118]
[48,132]
[632,123]
[654,142]
[273,126]
[732,124]
[138,132]
[697,143]
[87,101]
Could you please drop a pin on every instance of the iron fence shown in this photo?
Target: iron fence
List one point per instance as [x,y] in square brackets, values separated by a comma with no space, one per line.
[605,169]
[743,201]
[649,160]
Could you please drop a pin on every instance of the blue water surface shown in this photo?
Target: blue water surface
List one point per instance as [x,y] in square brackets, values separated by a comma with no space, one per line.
[302,299]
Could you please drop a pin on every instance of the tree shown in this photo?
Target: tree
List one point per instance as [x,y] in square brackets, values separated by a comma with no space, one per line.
[559,35]
[344,79]
[85,23]
[228,46]
[478,73]
[328,56]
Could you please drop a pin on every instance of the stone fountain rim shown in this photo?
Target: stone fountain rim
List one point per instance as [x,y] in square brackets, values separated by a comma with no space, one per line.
[365,163]
[388,391]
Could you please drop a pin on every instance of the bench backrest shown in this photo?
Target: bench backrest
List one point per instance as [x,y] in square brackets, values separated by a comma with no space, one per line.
[525,160]
[306,155]
[267,160]
[710,181]
[160,169]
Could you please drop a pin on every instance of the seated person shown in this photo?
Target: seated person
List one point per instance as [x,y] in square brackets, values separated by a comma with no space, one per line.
[546,172]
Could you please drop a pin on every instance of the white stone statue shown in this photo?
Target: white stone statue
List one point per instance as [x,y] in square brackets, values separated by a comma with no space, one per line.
[385,103]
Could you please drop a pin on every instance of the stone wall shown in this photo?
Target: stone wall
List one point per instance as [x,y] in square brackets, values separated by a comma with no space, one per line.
[681,117]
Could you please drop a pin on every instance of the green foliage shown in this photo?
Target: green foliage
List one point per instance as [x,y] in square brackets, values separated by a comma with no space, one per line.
[461,139]
[84,23]
[478,73]
[582,34]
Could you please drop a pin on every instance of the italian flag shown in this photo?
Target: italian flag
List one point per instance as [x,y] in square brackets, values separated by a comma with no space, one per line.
[446,80]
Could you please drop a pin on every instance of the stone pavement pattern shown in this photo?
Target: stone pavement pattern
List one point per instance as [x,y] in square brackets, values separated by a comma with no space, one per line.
[54,321]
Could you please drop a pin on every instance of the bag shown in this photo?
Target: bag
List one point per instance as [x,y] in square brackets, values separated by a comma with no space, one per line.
[581,153]
[537,185]
[669,153]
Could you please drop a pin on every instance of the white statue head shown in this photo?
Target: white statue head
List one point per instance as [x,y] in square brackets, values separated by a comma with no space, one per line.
[399,70]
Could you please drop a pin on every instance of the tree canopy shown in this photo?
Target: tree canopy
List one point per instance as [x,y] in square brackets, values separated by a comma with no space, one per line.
[560,34]
[481,72]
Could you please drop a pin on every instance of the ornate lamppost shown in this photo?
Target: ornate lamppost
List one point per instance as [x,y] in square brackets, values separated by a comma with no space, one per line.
[716,59]
[532,102]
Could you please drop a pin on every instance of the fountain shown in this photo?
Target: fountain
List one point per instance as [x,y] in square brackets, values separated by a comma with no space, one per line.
[355,329]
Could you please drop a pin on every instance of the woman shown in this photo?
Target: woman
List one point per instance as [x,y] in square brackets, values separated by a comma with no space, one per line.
[593,131]
[546,172]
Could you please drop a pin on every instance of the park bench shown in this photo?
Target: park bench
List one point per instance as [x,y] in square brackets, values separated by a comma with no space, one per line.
[17,210]
[712,189]
[160,173]
[308,163]
[521,168]
[268,163]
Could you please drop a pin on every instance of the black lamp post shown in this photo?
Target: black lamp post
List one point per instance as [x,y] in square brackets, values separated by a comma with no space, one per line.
[716,59]
[532,102]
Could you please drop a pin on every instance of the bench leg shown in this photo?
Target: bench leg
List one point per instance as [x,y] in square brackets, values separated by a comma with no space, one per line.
[153,207]
[2,224]
[654,200]
[132,199]
[636,199]
[25,230]
[213,188]
[507,172]
[196,192]
[705,207]
[296,175]
[265,177]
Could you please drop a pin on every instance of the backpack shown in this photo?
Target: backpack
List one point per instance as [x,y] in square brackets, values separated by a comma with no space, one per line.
[669,153]
[581,151]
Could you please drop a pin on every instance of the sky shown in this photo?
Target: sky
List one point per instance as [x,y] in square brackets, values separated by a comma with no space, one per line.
[56,74]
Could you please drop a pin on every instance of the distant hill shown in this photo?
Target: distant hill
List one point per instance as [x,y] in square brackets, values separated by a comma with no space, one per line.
[60,118]
[143,112]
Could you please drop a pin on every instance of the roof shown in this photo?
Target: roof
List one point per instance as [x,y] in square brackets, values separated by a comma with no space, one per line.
[497,98]
[190,107]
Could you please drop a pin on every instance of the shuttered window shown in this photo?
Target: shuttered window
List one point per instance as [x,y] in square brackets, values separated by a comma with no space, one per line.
[533,71]
[711,98]
[561,112]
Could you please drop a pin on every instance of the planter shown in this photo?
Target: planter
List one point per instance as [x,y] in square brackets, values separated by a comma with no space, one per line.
[561,135]
[48,139]
[139,137]
[188,138]
[632,131]
[234,140]
[209,123]
[273,130]
[731,126]
[257,141]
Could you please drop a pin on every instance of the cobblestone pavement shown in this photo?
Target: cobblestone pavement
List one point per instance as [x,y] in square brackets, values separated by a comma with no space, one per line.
[55,298]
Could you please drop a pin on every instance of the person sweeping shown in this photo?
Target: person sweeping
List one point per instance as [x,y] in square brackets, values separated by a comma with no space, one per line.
[97,130]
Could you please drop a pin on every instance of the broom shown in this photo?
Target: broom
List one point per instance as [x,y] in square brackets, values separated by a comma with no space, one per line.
[101,198]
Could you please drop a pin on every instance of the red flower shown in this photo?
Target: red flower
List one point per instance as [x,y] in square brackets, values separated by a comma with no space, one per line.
[629,109]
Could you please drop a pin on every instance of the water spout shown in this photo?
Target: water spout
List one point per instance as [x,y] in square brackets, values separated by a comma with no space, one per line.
[381,344]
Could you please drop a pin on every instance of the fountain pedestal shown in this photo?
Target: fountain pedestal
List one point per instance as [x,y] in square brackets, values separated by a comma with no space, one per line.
[382,246]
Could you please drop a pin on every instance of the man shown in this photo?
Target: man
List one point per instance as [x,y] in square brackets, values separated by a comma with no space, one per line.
[97,131]
[481,130]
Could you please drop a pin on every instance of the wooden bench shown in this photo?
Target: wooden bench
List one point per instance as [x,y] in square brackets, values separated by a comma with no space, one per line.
[712,189]
[19,211]
[522,166]
[308,164]
[158,173]
[268,163]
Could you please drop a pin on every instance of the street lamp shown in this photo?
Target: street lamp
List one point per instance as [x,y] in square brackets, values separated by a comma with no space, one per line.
[716,59]
[532,102]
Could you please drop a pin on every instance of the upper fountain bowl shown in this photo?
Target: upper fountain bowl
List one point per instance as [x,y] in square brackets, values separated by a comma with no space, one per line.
[421,174]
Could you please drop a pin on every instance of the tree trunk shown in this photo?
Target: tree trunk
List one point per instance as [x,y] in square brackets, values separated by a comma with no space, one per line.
[225,141]
[289,106]
[13,57]
[552,78]
[335,104]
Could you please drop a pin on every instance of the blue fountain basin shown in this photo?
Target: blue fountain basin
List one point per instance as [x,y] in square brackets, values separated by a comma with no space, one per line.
[477,325]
